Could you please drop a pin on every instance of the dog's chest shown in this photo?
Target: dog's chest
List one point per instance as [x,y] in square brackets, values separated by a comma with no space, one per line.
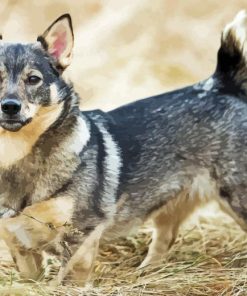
[12,149]
[35,178]
[17,186]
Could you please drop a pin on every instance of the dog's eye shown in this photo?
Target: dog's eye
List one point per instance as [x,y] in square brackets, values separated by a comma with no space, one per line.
[32,80]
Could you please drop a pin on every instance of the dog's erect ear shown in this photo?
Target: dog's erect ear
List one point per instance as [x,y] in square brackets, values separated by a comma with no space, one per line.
[58,40]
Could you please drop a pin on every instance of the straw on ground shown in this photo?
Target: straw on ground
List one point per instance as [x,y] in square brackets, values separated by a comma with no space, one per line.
[208,258]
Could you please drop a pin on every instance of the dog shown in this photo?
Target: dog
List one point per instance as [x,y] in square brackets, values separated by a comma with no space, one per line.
[69,178]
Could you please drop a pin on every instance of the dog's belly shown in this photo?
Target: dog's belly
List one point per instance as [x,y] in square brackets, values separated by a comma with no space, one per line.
[134,209]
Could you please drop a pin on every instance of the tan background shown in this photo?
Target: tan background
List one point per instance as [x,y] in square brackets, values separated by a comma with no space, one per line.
[125,50]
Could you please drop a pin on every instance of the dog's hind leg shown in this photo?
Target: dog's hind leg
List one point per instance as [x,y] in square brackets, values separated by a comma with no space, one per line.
[232,201]
[168,218]
[166,222]
[163,237]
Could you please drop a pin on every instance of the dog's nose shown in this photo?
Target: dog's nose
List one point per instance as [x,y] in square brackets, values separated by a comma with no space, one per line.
[10,106]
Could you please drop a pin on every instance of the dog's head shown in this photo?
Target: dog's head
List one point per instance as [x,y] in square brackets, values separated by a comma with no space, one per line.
[30,75]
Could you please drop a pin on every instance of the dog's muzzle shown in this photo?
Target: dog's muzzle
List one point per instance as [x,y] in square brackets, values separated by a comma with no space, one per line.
[11,118]
[10,107]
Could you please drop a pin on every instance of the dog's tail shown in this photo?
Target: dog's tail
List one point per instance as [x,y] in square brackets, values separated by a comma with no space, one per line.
[232,55]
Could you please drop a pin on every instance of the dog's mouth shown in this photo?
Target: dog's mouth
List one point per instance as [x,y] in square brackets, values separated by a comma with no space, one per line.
[14,125]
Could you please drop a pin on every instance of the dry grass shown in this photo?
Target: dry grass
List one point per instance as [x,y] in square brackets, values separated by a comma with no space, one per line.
[208,258]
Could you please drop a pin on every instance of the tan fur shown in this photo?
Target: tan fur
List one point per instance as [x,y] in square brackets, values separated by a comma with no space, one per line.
[28,262]
[168,218]
[42,223]
[15,146]
[80,266]
[53,93]
[38,225]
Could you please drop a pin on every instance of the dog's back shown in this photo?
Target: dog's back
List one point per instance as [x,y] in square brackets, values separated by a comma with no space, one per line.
[170,138]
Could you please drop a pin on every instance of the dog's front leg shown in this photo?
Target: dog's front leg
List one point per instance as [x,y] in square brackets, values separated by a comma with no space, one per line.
[33,230]
[78,265]
[28,261]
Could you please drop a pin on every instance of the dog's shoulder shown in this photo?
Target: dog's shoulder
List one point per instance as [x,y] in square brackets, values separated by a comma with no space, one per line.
[99,116]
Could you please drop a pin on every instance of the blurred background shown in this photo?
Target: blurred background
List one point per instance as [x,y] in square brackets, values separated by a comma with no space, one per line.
[126,50]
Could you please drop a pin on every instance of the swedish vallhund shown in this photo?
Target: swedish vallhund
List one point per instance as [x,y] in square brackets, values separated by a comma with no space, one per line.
[70,177]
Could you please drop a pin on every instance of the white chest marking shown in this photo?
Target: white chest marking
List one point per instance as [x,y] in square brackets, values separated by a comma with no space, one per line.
[12,149]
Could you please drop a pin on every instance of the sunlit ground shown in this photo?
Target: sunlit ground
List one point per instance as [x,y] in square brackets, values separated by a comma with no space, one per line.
[208,258]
